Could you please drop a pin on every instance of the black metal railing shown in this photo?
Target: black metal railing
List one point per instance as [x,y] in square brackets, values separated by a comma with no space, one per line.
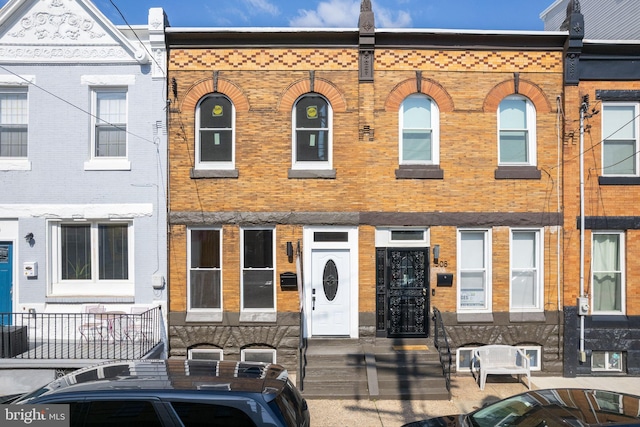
[103,335]
[302,354]
[441,342]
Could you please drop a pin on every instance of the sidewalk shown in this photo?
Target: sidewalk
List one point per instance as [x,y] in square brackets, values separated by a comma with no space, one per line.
[466,396]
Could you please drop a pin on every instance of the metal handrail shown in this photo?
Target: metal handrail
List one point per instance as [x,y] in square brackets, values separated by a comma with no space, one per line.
[302,354]
[441,342]
[115,335]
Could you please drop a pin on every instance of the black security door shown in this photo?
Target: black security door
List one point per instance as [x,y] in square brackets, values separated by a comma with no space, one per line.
[406,292]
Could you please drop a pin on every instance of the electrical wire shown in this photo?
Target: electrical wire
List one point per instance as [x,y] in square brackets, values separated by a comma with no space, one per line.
[88,113]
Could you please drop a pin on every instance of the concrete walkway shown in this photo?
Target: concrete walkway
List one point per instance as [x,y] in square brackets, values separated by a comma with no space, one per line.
[466,397]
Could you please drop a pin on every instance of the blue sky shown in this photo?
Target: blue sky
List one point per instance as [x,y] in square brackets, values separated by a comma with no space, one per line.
[445,14]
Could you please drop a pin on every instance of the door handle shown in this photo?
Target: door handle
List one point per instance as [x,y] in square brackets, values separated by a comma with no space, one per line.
[313,303]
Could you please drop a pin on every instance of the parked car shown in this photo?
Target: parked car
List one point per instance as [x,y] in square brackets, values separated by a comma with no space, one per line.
[550,408]
[175,393]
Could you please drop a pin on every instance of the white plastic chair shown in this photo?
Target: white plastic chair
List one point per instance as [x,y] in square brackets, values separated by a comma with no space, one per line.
[92,323]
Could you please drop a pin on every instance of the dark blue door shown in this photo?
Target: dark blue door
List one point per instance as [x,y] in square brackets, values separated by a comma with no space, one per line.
[6,281]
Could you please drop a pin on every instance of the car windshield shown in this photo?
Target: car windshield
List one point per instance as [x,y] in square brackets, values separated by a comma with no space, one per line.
[513,412]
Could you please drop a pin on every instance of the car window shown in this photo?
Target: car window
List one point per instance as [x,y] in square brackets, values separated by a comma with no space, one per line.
[121,413]
[291,405]
[205,414]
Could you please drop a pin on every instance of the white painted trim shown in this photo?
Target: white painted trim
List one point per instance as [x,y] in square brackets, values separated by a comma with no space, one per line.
[108,80]
[17,80]
[88,211]
[352,245]
[15,164]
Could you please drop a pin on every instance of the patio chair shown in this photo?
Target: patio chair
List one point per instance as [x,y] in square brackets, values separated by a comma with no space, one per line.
[137,325]
[92,322]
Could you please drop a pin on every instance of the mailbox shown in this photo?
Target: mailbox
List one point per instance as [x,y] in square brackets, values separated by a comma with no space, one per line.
[288,281]
[445,279]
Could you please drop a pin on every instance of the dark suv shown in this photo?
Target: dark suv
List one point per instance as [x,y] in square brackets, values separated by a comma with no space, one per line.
[176,393]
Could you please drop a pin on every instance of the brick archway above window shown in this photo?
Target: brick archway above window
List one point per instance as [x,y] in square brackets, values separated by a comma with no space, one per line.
[321,86]
[205,87]
[525,88]
[427,87]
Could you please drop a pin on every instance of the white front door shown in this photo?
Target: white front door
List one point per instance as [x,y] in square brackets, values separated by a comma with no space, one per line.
[330,292]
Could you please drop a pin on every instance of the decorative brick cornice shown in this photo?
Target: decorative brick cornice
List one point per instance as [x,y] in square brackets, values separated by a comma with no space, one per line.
[427,87]
[205,87]
[321,86]
[525,88]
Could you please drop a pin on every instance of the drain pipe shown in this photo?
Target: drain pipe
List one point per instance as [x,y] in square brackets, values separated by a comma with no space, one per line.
[583,302]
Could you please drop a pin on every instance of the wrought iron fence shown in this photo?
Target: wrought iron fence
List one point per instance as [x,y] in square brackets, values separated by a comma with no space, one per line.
[97,335]
[441,342]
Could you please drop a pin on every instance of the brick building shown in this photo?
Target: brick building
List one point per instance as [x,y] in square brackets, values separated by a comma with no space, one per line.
[344,183]
[601,106]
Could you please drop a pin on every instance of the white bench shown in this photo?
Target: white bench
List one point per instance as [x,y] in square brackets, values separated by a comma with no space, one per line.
[502,360]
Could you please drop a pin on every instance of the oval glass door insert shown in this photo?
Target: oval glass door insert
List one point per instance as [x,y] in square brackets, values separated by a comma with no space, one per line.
[330,280]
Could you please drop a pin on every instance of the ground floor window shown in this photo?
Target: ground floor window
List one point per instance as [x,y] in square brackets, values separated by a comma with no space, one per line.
[474,270]
[205,354]
[608,273]
[266,355]
[607,361]
[205,272]
[258,290]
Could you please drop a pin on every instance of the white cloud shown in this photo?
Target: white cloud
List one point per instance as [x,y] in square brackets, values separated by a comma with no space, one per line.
[345,13]
[332,13]
[389,19]
[259,6]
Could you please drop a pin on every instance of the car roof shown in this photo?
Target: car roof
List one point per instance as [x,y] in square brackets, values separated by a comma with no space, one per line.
[171,374]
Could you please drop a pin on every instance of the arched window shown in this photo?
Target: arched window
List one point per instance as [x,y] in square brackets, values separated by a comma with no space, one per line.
[516,132]
[419,131]
[312,140]
[215,133]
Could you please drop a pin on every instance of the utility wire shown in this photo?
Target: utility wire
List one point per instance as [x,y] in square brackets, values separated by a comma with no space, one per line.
[138,38]
[76,107]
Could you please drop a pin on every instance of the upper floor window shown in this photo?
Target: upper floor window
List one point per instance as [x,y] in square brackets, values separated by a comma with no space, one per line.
[607,264]
[215,147]
[258,274]
[205,274]
[312,140]
[526,280]
[14,116]
[474,270]
[516,132]
[419,131]
[620,129]
[110,123]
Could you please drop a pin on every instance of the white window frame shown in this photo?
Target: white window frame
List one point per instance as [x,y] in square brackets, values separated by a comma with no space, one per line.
[530,114]
[486,270]
[8,91]
[273,269]
[606,138]
[311,165]
[385,237]
[435,132]
[208,309]
[210,165]
[538,269]
[93,286]
[17,162]
[527,349]
[98,83]
[270,351]
[193,353]
[622,267]
[607,355]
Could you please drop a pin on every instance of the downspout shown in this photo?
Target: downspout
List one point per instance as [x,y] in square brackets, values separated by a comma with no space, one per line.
[582,300]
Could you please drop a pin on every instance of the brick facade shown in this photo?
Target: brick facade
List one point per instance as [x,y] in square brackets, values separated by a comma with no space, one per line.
[366,187]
